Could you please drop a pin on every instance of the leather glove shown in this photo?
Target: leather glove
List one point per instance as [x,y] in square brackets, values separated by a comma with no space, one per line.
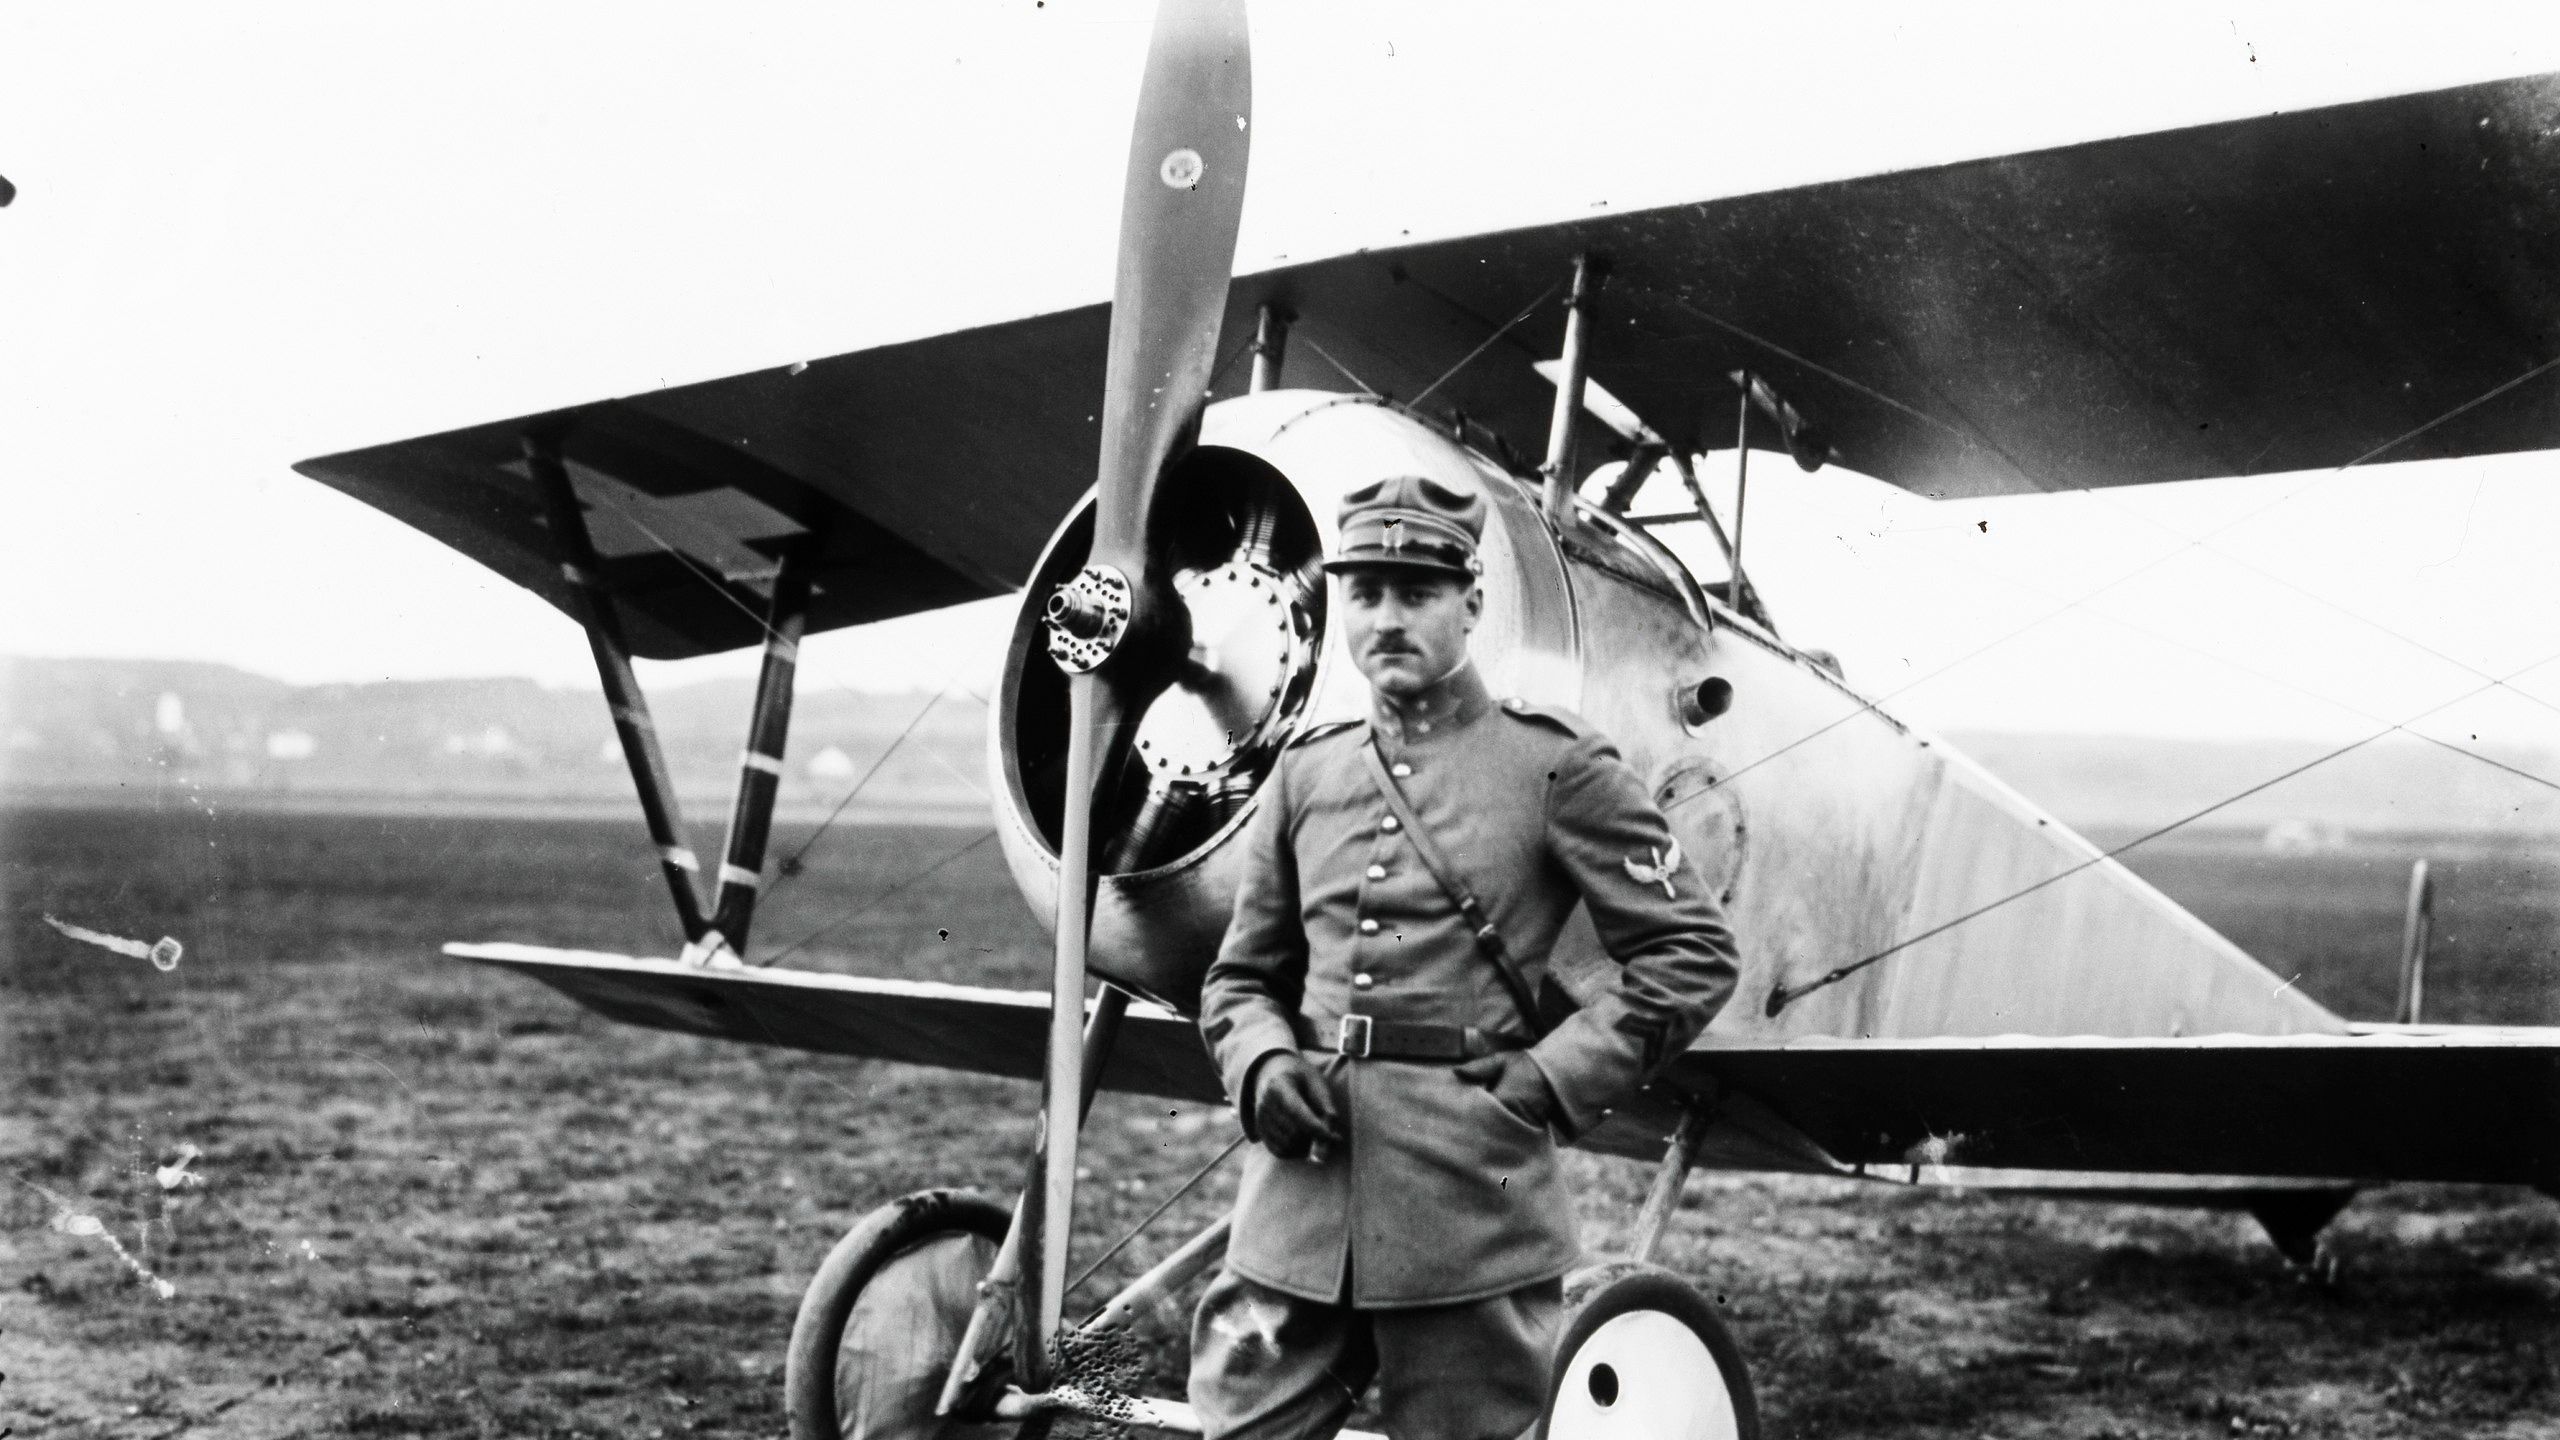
[1517,1082]
[1293,1106]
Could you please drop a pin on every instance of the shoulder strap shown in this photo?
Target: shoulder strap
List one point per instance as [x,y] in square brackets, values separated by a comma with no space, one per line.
[1488,939]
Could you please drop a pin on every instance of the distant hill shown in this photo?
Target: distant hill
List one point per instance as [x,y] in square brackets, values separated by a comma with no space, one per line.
[96,728]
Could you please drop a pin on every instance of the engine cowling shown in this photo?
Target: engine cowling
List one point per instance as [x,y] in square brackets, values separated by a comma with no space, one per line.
[1244,521]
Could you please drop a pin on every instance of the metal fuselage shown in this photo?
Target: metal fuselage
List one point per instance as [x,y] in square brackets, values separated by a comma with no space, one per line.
[1833,831]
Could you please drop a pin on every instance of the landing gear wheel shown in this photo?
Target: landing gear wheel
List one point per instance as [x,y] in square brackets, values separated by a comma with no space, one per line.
[882,1319]
[1645,1358]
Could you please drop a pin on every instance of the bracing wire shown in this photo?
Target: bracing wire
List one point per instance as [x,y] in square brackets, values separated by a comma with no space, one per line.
[718,583]
[1925,418]
[2470,404]
[1327,356]
[1482,346]
[2198,542]
[1243,348]
[791,863]
[791,866]
[1782,995]
[2322,600]
[1140,1228]
[720,586]
[2164,638]
[974,784]
[1875,704]
[1972,438]
[873,903]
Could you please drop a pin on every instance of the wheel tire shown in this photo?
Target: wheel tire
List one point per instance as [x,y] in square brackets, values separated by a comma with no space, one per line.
[1645,1358]
[901,1256]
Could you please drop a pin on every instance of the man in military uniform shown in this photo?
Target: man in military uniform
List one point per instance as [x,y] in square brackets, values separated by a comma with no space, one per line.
[1405,1218]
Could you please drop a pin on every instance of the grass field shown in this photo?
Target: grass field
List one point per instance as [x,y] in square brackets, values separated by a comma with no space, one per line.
[428,1199]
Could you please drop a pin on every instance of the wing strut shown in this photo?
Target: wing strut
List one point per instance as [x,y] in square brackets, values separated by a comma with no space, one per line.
[568,523]
[1741,482]
[760,763]
[2417,930]
[1573,371]
[719,938]
[1737,592]
[1270,347]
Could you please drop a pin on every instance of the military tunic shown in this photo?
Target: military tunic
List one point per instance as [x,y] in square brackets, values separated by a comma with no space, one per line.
[1443,1193]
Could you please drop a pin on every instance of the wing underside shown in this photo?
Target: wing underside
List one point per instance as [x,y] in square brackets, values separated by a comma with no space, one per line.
[2279,293]
[949,1027]
[2161,1117]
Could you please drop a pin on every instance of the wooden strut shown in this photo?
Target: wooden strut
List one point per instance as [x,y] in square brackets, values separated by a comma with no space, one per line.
[1741,482]
[760,765]
[2417,931]
[1572,372]
[568,524]
[1163,1278]
[1688,473]
[1270,348]
[1739,597]
[1663,1200]
[1641,462]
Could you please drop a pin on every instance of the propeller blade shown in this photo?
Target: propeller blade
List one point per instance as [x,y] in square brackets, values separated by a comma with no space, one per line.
[1179,210]
[1094,709]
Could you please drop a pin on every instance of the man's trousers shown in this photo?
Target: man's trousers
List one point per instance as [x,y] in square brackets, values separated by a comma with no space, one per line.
[1269,1366]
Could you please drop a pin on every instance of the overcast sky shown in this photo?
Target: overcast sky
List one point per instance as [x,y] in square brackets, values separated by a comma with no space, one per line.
[250,236]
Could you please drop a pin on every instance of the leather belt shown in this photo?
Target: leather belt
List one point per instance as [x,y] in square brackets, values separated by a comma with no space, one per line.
[1366,1037]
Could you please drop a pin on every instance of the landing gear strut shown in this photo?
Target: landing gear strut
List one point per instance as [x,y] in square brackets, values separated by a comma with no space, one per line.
[1643,1355]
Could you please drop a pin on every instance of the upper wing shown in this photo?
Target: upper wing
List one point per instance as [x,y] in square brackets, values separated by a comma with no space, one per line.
[2241,298]
[2279,293]
[930,472]
[2264,295]
[2390,1103]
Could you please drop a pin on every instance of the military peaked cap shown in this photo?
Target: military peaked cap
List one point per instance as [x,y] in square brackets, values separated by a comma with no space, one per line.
[1411,521]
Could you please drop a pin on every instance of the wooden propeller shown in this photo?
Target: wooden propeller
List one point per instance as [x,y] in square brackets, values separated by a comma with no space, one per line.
[1179,209]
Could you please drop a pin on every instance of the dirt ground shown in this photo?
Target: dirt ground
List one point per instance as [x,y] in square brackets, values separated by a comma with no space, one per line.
[392,1194]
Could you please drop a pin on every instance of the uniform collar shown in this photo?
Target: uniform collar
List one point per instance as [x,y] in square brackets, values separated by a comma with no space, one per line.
[1452,702]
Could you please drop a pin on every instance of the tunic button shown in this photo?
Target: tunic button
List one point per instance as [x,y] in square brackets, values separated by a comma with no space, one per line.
[1377,872]
[1368,927]
[1390,825]
[1422,725]
[1362,981]
[1400,770]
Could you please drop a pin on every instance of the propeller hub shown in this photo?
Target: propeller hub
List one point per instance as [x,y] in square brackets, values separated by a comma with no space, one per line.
[1087,617]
